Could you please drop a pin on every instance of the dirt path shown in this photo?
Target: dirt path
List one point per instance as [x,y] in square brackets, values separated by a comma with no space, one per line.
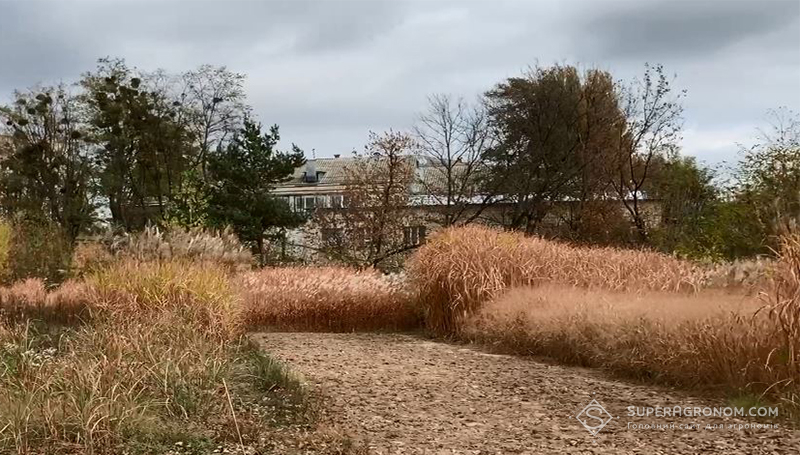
[402,394]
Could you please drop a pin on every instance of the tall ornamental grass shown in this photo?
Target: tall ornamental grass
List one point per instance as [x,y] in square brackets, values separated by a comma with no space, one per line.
[335,299]
[153,244]
[711,339]
[461,268]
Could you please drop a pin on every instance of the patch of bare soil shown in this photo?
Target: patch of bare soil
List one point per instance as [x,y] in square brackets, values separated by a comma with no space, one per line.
[403,394]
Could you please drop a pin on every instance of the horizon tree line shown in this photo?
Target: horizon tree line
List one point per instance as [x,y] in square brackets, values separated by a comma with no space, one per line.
[185,149]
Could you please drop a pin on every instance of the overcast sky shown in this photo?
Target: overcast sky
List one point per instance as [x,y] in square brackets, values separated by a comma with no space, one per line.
[328,72]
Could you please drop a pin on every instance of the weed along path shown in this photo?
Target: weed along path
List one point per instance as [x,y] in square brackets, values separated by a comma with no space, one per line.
[403,394]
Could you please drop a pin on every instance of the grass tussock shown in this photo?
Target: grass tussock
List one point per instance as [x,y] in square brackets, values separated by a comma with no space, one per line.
[29,299]
[155,361]
[461,268]
[748,276]
[199,293]
[325,299]
[707,339]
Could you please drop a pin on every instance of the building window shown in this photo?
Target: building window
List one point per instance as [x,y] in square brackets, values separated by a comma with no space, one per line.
[413,235]
[308,203]
[337,201]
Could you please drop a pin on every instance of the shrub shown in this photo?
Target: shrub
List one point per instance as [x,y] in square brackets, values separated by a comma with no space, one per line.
[461,268]
[5,245]
[325,299]
[37,250]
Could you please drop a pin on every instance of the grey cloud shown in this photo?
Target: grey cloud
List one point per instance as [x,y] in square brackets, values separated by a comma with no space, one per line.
[329,71]
[348,25]
[665,29]
[42,38]
[315,26]
[31,49]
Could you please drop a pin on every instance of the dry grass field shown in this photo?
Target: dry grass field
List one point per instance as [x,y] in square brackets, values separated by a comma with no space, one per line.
[137,357]
[145,346]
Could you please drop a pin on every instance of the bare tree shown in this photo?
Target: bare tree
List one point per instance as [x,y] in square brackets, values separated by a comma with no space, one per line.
[209,101]
[769,175]
[368,228]
[453,139]
[653,121]
[213,101]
